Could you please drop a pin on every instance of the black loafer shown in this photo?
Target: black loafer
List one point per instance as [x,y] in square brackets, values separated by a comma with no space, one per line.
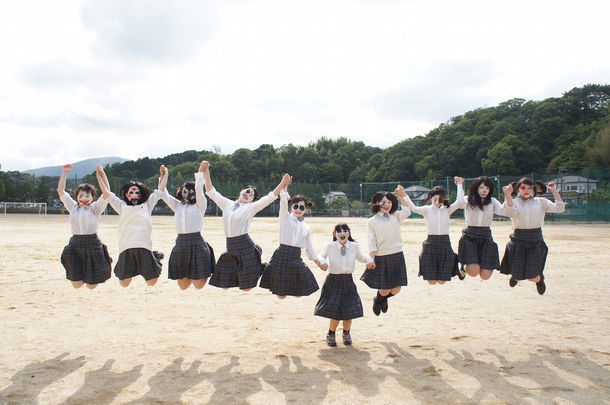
[384,305]
[541,287]
[512,282]
[376,307]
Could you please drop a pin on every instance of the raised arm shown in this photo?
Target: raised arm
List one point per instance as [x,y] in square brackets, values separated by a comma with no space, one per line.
[558,206]
[459,182]
[205,168]
[405,212]
[163,176]
[269,198]
[102,181]
[406,201]
[286,180]
[202,202]
[61,186]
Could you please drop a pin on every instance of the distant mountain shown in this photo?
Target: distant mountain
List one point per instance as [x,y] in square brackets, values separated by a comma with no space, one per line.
[79,169]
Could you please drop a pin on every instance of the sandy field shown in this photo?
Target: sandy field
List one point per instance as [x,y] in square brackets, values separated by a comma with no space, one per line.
[469,341]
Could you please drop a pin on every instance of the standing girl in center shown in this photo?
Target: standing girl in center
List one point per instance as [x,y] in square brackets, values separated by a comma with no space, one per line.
[339,299]
[240,266]
[477,251]
[192,259]
[385,247]
[437,260]
[286,273]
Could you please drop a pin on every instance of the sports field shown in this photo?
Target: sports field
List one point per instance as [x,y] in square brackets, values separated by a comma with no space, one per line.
[464,342]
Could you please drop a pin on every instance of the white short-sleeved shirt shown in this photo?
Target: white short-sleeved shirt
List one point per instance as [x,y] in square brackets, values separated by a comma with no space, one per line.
[135,224]
[384,233]
[294,232]
[84,220]
[437,219]
[189,217]
[529,214]
[236,217]
[338,264]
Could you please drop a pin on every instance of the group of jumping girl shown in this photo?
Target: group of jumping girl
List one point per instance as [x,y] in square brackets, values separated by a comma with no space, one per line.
[192,259]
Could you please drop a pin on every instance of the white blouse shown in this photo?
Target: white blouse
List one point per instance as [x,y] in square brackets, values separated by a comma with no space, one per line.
[189,217]
[84,220]
[236,217]
[437,219]
[338,264]
[529,214]
[384,234]
[294,232]
[135,224]
[481,217]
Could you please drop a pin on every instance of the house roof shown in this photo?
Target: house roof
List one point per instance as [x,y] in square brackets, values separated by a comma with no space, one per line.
[417,188]
[573,179]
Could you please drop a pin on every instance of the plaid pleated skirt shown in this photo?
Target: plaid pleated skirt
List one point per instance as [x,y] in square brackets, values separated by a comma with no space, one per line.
[137,262]
[287,274]
[339,298]
[525,254]
[192,258]
[477,246]
[390,271]
[437,260]
[86,258]
[240,266]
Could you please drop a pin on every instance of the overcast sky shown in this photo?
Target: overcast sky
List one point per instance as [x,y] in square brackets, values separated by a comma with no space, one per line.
[88,78]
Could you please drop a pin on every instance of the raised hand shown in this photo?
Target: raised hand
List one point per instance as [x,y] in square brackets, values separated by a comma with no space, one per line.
[400,191]
[552,187]
[324,266]
[162,170]
[287,179]
[458,180]
[67,168]
[508,190]
[204,166]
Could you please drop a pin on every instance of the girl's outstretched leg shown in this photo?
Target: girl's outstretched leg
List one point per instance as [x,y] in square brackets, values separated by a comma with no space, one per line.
[152,281]
[472,269]
[125,282]
[77,284]
[198,284]
[184,283]
[486,274]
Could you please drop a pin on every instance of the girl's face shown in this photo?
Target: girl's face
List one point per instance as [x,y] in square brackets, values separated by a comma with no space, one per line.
[84,197]
[246,195]
[134,195]
[385,205]
[188,196]
[298,208]
[483,190]
[341,236]
[436,200]
[526,191]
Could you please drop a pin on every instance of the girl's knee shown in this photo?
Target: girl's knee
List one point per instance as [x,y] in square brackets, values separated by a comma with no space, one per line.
[152,281]
[246,289]
[77,284]
[431,282]
[441,282]
[486,274]
[91,286]
[395,290]
[125,282]
[198,284]
[281,297]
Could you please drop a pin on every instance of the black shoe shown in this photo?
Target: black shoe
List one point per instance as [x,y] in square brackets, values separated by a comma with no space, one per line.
[384,305]
[512,282]
[331,340]
[541,287]
[461,273]
[347,338]
[376,306]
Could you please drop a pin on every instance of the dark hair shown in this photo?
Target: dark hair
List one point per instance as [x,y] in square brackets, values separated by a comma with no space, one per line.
[440,192]
[299,197]
[379,196]
[190,185]
[145,191]
[343,227]
[255,191]
[474,199]
[538,186]
[86,187]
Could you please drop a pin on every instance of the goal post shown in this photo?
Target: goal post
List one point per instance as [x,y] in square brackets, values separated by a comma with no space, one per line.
[23,207]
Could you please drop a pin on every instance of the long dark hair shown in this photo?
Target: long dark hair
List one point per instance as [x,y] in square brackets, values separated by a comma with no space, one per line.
[343,227]
[190,186]
[144,191]
[379,196]
[440,192]
[86,187]
[538,186]
[474,199]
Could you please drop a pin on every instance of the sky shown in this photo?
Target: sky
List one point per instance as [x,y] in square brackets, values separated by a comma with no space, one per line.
[88,78]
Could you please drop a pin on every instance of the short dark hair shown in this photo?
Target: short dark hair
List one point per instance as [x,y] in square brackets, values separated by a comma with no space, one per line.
[440,192]
[299,197]
[474,199]
[379,196]
[86,187]
[145,191]
[538,186]
[343,227]
[190,185]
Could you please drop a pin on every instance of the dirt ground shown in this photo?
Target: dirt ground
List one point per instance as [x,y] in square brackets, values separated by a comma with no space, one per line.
[468,341]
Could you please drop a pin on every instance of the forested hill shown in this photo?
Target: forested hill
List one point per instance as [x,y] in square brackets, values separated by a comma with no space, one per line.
[518,136]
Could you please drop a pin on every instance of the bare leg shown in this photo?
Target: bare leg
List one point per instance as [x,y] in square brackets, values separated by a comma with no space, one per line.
[534,280]
[347,325]
[281,297]
[246,289]
[125,282]
[77,284]
[184,283]
[486,274]
[441,282]
[198,284]
[152,281]
[91,286]
[431,282]
[472,269]
[333,324]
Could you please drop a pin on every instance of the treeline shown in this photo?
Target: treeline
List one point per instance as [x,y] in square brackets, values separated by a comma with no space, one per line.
[515,137]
